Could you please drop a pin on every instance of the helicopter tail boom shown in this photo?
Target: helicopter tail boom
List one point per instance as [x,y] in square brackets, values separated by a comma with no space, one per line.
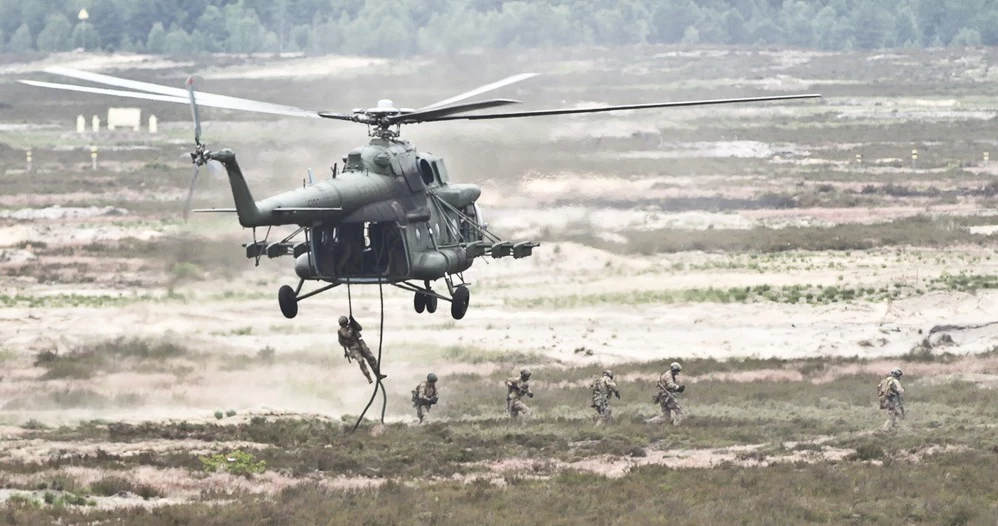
[249,213]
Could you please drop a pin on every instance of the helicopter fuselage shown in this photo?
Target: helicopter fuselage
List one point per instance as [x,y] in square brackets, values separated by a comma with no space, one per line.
[389,216]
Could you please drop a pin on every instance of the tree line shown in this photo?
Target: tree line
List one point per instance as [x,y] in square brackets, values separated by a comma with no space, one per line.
[403,27]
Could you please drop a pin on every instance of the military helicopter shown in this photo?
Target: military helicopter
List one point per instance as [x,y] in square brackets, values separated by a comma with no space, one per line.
[390,216]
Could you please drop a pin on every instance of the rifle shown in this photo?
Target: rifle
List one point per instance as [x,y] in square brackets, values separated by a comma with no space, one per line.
[346,354]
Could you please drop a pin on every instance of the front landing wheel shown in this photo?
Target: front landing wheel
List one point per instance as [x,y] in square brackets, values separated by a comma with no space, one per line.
[431,304]
[288,301]
[459,302]
[419,302]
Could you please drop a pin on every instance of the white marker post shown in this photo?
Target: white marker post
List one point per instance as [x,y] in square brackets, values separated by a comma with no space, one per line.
[986,158]
[93,158]
[914,159]
[95,123]
[153,124]
[27,159]
[81,124]
[859,158]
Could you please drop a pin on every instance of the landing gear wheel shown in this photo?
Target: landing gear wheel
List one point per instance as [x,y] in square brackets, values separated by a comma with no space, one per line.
[431,304]
[288,301]
[459,303]
[419,302]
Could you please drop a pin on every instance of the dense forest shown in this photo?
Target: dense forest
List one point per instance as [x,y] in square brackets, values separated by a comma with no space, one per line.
[400,27]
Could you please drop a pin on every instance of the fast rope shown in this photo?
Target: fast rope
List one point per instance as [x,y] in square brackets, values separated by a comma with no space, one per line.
[377,386]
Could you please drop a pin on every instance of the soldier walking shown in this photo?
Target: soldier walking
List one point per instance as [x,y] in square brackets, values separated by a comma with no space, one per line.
[668,396]
[603,388]
[425,396]
[517,388]
[890,393]
[355,348]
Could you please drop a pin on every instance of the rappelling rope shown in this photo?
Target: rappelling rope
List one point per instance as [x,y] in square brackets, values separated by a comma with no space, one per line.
[377,385]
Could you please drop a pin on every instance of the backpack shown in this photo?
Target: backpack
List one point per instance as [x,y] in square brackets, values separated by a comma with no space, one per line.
[883,392]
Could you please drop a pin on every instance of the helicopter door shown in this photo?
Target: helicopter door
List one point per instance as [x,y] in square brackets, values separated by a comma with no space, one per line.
[340,250]
[389,249]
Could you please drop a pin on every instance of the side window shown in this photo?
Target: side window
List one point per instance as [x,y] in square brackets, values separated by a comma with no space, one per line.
[426,172]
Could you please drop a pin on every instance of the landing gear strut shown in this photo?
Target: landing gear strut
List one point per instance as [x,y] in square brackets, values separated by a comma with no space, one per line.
[288,297]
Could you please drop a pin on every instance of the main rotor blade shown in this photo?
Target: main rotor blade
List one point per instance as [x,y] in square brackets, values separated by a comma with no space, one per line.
[157,88]
[194,112]
[568,111]
[479,90]
[433,114]
[231,104]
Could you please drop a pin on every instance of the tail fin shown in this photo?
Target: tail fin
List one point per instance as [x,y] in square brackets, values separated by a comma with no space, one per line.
[249,214]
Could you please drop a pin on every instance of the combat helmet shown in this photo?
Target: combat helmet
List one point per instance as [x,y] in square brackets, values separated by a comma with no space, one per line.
[431,378]
[344,321]
[608,373]
[896,372]
[525,373]
[675,366]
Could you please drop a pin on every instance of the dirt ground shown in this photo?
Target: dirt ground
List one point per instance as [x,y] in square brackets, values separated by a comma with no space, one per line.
[89,257]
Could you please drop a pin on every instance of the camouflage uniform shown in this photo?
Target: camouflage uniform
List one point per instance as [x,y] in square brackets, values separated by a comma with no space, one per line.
[890,393]
[668,396]
[603,388]
[516,388]
[355,348]
[425,396]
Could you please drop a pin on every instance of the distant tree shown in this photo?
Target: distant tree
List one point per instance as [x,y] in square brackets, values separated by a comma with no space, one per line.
[734,27]
[35,14]
[10,16]
[960,15]
[873,25]
[800,32]
[246,33]
[85,36]
[929,15]
[824,25]
[21,40]
[966,37]
[989,29]
[767,32]
[199,44]
[670,18]
[177,42]
[710,27]
[157,39]
[843,35]
[690,36]
[142,16]
[300,37]
[211,24]
[56,34]
[271,43]
[905,28]
[108,20]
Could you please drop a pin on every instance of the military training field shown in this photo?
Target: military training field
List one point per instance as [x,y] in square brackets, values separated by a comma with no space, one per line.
[788,254]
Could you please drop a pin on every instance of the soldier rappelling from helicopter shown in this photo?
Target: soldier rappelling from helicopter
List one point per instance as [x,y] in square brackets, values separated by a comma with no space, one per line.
[355,348]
